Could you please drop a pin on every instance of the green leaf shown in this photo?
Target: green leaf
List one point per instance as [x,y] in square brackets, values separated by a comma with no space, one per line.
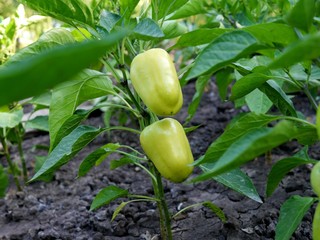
[67,149]
[70,124]
[268,33]
[96,157]
[223,50]
[127,7]
[173,29]
[53,38]
[168,6]
[192,7]
[4,182]
[64,10]
[318,121]
[223,78]
[41,101]
[215,209]
[148,29]
[258,102]
[108,20]
[247,84]
[66,97]
[199,37]
[106,195]
[281,168]
[39,161]
[201,83]
[279,98]
[307,48]
[271,33]
[118,209]
[237,181]
[39,122]
[121,162]
[235,130]
[291,214]
[251,145]
[301,15]
[10,119]
[49,68]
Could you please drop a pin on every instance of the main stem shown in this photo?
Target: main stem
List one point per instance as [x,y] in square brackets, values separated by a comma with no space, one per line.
[165,219]
[23,160]
[10,163]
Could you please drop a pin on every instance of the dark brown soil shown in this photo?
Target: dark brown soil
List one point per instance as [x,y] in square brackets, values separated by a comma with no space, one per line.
[60,209]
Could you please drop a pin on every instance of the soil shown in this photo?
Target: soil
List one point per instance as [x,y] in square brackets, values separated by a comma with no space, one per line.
[60,209]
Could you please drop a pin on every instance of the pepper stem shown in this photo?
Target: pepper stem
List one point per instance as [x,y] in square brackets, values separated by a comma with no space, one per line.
[165,219]
[10,163]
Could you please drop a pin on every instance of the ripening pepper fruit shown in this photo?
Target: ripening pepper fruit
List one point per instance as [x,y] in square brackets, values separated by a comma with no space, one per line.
[315,179]
[316,224]
[166,145]
[155,79]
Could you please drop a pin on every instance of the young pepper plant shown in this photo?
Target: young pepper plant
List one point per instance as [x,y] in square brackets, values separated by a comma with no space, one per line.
[96,36]
[271,62]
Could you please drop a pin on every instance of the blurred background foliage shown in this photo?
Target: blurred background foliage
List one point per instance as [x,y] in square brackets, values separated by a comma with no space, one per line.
[19,27]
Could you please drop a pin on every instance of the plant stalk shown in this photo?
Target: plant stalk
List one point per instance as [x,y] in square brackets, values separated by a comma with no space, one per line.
[10,163]
[22,158]
[165,219]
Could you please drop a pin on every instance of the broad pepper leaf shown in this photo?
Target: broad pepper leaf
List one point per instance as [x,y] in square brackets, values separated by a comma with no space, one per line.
[235,130]
[66,97]
[168,6]
[268,33]
[279,98]
[39,122]
[121,162]
[127,7]
[10,119]
[222,51]
[258,102]
[291,214]
[199,37]
[67,149]
[200,85]
[307,48]
[237,181]
[281,168]
[247,84]
[301,15]
[48,40]
[106,195]
[148,29]
[45,70]
[96,157]
[64,10]
[108,20]
[318,121]
[192,7]
[251,145]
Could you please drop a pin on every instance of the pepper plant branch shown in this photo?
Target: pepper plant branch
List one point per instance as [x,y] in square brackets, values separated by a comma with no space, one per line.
[10,163]
[122,128]
[164,206]
[305,89]
[142,197]
[23,160]
[125,84]
[159,204]
[111,69]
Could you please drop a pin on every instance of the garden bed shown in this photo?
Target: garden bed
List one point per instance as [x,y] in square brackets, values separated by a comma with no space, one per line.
[60,209]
